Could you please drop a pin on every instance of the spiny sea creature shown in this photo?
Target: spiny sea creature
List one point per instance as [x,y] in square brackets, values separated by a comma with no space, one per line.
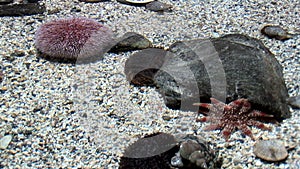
[75,39]
[227,117]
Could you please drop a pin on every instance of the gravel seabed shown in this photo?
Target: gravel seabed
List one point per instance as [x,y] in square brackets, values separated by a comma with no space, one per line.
[55,124]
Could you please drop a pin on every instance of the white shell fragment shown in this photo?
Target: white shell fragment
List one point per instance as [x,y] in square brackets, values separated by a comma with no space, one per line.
[4,141]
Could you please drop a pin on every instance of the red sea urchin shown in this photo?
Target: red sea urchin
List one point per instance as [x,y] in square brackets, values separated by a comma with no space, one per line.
[227,117]
[73,39]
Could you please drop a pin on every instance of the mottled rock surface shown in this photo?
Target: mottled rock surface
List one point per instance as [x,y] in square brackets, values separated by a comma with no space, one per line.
[149,152]
[143,65]
[131,41]
[277,32]
[231,67]
[226,68]
[158,6]
[294,102]
[22,9]
[270,150]
[195,152]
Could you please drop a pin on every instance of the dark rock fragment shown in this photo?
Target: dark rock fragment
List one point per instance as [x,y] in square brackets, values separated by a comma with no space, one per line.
[33,1]
[158,6]
[276,32]
[131,41]
[143,65]
[165,151]
[135,2]
[93,1]
[4,2]
[22,9]
[1,76]
[151,152]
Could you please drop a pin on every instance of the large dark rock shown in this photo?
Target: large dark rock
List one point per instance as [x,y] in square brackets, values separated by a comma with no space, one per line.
[22,9]
[142,66]
[4,2]
[150,152]
[227,68]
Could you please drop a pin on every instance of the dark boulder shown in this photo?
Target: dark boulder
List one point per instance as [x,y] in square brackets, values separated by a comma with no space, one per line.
[142,66]
[22,9]
[226,68]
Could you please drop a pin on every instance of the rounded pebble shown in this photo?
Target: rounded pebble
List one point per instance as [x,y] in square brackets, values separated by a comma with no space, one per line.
[270,150]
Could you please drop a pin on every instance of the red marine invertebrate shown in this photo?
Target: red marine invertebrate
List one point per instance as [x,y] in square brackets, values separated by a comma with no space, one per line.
[227,117]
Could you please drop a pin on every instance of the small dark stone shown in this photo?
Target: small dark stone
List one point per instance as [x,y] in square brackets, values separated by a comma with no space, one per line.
[151,152]
[33,1]
[75,9]
[1,76]
[166,118]
[22,9]
[18,53]
[159,6]
[135,2]
[276,32]
[93,1]
[131,41]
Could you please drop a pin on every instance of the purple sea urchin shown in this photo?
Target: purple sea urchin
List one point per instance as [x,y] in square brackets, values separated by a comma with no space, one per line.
[73,39]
